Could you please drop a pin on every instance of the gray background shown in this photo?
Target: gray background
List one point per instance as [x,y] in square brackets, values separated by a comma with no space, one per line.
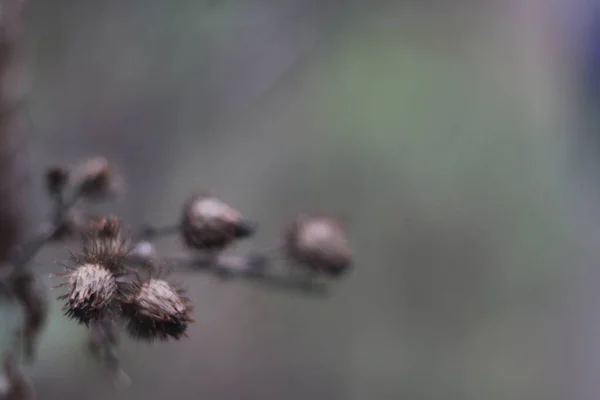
[436,132]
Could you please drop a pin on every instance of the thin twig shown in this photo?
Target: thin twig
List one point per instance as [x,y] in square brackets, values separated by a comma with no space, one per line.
[253,269]
[28,251]
[148,232]
[103,344]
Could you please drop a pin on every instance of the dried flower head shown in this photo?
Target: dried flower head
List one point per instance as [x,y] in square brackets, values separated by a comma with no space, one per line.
[92,290]
[157,310]
[208,223]
[97,179]
[319,243]
[105,243]
[56,179]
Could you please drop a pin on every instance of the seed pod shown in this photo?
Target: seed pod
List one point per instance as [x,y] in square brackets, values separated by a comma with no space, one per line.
[97,179]
[319,243]
[92,290]
[208,223]
[156,310]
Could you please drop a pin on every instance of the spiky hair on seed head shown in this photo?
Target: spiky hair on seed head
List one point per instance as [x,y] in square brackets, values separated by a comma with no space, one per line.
[156,310]
[104,242]
[91,292]
[103,226]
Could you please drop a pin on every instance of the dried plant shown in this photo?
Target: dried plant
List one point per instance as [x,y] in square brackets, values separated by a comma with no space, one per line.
[210,225]
[117,280]
[318,243]
[157,310]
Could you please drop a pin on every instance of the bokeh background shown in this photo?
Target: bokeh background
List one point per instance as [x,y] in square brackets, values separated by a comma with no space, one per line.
[454,138]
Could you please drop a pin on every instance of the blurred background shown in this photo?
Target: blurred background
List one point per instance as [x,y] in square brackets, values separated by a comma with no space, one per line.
[457,140]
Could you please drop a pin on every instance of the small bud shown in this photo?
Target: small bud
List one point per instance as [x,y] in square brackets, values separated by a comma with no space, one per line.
[92,289]
[104,227]
[105,243]
[56,179]
[97,179]
[208,223]
[320,244]
[157,311]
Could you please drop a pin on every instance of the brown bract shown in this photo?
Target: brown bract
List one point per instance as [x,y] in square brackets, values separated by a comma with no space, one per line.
[157,310]
[207,223]
[319,243]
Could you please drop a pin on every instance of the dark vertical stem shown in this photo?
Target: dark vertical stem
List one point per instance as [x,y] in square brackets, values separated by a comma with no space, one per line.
[14,173]
[13,139]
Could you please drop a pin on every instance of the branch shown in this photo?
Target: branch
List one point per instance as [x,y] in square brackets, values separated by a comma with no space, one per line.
[103,342]
[28,251]
[253,268]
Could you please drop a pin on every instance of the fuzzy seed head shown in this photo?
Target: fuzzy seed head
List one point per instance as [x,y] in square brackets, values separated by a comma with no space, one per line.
[320,243]
[157,311]
[92,290]
[208,223]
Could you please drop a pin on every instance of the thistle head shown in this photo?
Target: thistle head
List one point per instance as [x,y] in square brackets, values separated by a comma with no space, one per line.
[157,310]
[91,292]
[320,243]
[209,223]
